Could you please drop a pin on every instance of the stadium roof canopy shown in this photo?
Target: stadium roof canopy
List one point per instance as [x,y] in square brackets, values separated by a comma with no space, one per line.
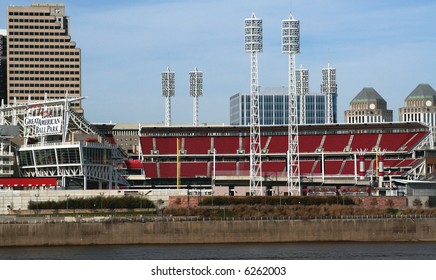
[226,130]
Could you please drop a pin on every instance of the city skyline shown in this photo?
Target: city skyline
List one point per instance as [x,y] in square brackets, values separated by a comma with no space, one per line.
[388,45]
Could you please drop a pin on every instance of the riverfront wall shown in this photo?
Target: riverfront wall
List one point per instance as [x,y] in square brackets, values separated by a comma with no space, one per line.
[12,201]
[72,232]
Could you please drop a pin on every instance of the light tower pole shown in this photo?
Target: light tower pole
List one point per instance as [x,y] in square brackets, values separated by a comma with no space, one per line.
[254,44]
[291,46]
[195,90]
[302,85]
[168,90]
[329,88]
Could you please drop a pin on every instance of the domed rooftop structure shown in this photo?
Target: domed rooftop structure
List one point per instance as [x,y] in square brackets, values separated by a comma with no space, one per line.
[370,96]
[420,106]
[368,107]
[422,91]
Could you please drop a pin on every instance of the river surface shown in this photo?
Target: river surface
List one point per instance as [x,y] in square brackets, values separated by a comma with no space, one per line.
[265,251]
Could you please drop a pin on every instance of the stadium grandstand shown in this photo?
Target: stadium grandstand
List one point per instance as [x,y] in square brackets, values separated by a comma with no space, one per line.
[56,148]
[359,159]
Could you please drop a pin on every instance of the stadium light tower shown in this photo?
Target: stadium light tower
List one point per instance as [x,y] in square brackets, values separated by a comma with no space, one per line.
[291,46]
[302,85]
[168,90]
[195,90]
[329,88]
[254,44]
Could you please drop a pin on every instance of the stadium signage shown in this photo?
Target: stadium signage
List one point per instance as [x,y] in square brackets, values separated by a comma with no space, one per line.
[45,126]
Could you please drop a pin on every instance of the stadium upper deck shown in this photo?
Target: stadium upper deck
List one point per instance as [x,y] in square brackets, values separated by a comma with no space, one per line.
[329,154]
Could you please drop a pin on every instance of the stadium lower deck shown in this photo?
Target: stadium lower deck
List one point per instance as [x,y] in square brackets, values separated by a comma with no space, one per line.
[331,157]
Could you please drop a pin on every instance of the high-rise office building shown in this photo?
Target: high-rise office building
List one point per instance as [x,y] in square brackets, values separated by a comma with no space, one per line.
[3,67]
[42,59]
[368,107]
[273,107]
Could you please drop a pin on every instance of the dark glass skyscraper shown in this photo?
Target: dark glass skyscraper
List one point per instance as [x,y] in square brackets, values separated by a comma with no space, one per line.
[273,107]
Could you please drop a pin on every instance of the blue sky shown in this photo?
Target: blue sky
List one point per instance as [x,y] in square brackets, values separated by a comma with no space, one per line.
[386,44]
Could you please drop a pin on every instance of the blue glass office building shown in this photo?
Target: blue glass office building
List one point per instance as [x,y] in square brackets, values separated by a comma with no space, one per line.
[273,107]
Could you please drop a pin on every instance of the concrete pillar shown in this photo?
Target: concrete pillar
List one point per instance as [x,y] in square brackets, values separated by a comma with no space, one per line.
[362,167]
[381,171]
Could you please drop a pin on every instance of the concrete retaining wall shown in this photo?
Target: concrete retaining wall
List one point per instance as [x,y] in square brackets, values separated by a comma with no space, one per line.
[19,200]
[173,232]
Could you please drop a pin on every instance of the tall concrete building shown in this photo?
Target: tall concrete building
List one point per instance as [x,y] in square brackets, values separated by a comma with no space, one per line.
[41,57]
[3,68]
[368,107]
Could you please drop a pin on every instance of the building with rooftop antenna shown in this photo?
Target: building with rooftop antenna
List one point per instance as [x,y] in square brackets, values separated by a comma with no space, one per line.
[253,44]
[168,91]
[368,107]
[420,106]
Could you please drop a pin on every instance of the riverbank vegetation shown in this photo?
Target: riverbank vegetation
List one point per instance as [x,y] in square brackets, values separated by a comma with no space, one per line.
[96,202]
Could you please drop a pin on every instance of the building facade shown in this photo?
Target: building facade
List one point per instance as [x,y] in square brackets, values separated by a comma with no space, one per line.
[420,106]
[368,107]
[42,59]
[273,107]
[3,67]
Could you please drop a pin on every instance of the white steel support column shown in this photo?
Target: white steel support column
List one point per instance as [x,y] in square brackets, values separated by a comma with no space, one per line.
[253,44]
[255,145]
[195,90]
[291,46]
[168,90]
[294,187]
[195,111]
[302,86]
[66,118]
[329,88]
[167,110]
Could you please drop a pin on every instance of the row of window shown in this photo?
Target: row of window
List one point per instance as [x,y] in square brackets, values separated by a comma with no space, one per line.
[29,14]
[57,40]
[44,65]
[97,156]
[49,92]
[125,132]
[45,85]
[41,20]
[42,46]
[44,72]
[42,27]
[44,79]
[43,53]
[49,157]
[44,59]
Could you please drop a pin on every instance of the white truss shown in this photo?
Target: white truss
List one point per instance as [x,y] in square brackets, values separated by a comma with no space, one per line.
[291,46]
[293,159]
[168,90]
[253,44]
[329,88]
[302,86]
[255,145]
[195,90]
